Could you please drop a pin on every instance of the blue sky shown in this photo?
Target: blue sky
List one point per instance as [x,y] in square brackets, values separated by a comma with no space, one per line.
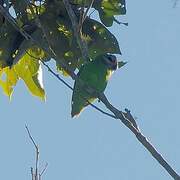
[95,146]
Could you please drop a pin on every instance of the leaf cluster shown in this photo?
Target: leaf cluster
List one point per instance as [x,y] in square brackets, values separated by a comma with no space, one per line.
[48,23]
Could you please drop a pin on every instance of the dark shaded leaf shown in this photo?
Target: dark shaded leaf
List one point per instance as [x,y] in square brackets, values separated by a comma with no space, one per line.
[101,39]
[7,44]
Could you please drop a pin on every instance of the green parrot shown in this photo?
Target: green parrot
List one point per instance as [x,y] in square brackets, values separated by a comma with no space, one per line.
[95,74]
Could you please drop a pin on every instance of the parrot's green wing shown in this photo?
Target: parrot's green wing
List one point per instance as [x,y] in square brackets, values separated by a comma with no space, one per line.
[80,97]
[94,75]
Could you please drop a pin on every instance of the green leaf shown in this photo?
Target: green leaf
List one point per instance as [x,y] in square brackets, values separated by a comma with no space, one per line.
[27,45]
[108,9]
[20,8]
[7,43]
[32,11]
[101,39]
[113,7]
[84,3]
[106,20]
[70,62]
[29,69]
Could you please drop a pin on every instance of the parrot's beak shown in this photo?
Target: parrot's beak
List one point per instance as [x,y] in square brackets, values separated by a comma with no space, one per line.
[120,64]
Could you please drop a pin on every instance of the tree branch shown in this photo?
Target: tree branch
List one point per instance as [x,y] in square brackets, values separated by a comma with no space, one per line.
[141,138]
[125,117]
[13,22]
[119,114]
[87,10]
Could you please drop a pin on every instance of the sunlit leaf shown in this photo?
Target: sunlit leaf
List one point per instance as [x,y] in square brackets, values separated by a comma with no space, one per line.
[53,34]
[70,63]
[8,79]
[29,70]
[33,11]
[108,9]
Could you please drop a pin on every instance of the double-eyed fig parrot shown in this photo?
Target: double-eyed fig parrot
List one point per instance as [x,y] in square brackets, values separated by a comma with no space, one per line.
[94,74]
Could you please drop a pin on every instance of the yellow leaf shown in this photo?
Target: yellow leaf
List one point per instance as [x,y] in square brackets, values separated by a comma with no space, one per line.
[30,71]
[8,79]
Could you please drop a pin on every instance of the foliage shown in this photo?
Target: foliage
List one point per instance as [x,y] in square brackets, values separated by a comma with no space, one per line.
[48,24]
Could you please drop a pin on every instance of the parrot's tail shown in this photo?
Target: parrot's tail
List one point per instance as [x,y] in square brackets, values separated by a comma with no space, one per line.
[79,105]
[75,111]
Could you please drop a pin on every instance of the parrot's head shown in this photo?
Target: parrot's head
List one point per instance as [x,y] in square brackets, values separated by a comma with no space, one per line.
[111,61]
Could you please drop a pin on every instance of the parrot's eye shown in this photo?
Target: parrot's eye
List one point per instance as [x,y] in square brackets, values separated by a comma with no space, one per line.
[111,59]
[111,62]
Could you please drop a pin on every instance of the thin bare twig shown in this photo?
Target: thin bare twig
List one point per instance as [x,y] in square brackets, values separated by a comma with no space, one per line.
[32,174]
[43,171]
[83,16]
[32,140]
[36,175]
[91,13]
[80,18]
